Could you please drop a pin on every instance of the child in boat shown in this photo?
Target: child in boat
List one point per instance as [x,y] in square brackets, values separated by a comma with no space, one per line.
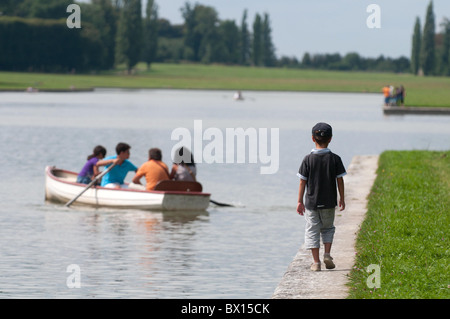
[89,169]
[116,176]
[183,168]
[154,170]
[319,173]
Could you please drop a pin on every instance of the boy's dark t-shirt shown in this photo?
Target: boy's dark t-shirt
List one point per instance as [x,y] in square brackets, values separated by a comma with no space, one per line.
[320,170]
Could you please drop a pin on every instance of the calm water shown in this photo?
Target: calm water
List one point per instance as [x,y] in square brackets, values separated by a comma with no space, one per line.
[239,252]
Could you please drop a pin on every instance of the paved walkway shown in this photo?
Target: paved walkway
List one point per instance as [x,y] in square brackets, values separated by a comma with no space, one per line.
[299,282]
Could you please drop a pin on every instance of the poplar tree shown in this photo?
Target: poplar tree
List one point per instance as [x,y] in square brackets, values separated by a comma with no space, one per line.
[150,37]
[415,54]
[129,34]
[244,41]
[444,54]
[268,50]
[427,50]
[257,41]
[105,21]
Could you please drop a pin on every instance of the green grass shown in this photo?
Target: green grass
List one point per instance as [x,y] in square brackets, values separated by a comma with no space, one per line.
[406,228]
[421,91]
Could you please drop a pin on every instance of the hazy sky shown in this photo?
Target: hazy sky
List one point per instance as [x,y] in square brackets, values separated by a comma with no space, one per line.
[326,26]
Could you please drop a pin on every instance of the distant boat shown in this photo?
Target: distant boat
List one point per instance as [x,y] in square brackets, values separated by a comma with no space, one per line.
[61,187]
[238,96]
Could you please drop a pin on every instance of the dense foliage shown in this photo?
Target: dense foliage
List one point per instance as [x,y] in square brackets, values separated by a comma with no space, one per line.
[47,45]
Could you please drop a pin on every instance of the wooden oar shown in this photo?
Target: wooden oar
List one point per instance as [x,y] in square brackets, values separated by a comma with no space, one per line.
[90,184]
[220,204]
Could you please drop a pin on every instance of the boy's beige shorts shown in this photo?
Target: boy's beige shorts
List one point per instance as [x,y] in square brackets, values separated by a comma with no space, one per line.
[319,223]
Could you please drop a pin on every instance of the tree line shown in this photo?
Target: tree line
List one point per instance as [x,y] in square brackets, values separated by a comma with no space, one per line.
[34,37]
[116,32]
[430,51]
[351,61]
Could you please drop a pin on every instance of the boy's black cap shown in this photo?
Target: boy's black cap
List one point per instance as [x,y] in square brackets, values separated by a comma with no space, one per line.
[322,130]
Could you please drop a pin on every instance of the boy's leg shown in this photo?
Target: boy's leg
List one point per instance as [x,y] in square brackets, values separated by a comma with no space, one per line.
[327,247]
[315,254]
[327,232]
[312,233]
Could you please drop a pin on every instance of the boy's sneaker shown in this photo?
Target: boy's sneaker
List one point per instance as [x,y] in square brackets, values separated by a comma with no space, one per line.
[328,260]
[315,267]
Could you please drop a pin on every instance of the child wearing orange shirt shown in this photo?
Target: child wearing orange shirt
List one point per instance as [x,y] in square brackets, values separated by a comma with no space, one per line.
[154,170]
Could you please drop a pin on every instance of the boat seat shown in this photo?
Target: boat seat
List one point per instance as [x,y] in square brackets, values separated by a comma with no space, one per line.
[180,186]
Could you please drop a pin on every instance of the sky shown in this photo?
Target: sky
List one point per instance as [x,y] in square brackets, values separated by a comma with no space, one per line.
[326,26]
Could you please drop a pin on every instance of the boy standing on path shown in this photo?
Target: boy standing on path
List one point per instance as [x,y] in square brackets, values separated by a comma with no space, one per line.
[319,173]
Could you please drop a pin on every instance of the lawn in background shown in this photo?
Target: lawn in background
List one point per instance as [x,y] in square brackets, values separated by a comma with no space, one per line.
[420,91]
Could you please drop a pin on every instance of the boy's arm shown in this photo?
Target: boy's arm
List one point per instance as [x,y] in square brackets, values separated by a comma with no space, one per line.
[106,162]
[137,177]
[301,192]
[340,184]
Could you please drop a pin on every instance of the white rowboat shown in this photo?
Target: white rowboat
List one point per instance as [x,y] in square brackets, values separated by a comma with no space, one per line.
[61,187]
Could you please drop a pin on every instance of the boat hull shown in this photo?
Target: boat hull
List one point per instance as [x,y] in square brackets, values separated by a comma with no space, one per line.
[61,187]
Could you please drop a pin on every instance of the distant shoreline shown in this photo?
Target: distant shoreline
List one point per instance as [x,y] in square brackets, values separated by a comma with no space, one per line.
[387,110]
[420,91]
[48,90]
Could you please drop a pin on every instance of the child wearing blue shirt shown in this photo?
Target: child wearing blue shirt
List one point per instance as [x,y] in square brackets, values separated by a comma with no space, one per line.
[116,176]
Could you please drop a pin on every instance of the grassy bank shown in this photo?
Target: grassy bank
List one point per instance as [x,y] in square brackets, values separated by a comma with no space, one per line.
[421,91]
[405,231]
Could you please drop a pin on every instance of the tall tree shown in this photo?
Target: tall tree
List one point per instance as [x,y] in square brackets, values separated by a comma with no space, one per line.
[150,32]
[257,41]
[268,50]
[416,42]
[228,44]
[104,18]
[444,50]
[201,32]
[427,50]
[129,34]
[306,60]
[244,41]
[206,26]
[191,39]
